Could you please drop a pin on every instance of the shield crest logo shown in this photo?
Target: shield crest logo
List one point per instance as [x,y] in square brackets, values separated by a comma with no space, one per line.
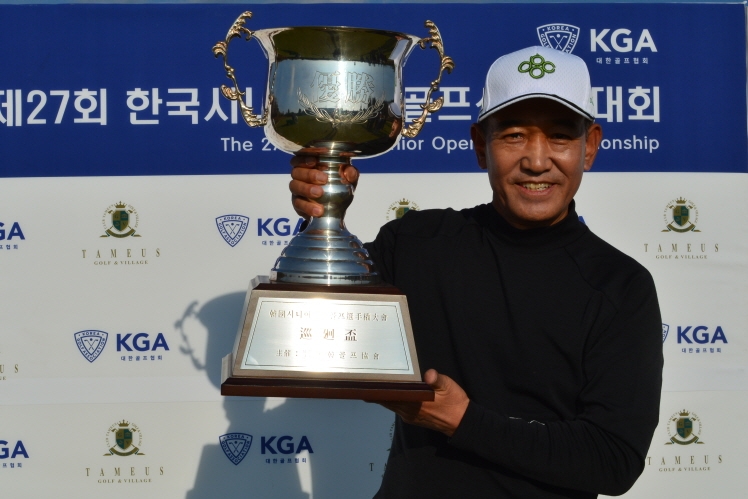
[124,221]
[90,343]
[123,438]
[665,330]
[684,427]
[235,446]
[126,436]
[400,208]
[559,36]
[680,214]
[402,211]
[120,219]
[232,228]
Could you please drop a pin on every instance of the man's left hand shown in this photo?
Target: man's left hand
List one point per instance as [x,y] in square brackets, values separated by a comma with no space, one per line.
[443,414]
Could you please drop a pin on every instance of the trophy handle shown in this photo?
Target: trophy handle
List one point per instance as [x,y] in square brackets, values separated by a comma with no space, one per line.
[446,64]
[222,48]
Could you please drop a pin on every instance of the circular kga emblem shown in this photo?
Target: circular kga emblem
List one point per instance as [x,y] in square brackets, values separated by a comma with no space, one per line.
[122,437]
[400,208]
[120,220]
[684,428]
[681,215]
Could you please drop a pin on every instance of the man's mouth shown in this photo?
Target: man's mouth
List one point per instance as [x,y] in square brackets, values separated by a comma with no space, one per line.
[533,186]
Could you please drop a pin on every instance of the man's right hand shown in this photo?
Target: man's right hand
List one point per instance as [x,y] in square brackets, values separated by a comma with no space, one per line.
[306,185]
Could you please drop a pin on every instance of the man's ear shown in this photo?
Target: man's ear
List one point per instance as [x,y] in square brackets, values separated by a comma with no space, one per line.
[479,144]
[594,137]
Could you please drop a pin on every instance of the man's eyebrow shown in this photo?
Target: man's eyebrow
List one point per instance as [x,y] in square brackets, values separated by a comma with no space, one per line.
[504,124]
[567,123]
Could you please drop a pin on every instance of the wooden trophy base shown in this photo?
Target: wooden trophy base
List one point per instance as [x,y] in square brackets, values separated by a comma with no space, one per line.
[316,341]
[370,391]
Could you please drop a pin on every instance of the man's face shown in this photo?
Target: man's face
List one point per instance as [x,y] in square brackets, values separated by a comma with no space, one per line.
[535,152]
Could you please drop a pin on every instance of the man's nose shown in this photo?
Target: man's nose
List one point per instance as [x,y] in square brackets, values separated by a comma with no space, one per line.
[537,157]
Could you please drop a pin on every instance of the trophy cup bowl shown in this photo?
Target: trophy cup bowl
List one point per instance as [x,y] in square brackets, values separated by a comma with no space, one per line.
[335,93]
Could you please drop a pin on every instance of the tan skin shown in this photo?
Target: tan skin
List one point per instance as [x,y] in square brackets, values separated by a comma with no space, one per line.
[535,152]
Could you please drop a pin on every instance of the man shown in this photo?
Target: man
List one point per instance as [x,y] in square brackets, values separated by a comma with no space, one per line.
[542,341]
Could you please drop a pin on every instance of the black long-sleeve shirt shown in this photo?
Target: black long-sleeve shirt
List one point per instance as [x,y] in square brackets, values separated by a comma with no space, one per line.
[556,338]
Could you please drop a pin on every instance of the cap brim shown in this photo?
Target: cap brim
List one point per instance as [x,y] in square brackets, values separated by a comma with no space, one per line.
[556,98]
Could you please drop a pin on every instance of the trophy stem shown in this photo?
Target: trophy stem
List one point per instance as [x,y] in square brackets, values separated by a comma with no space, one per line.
[326,252]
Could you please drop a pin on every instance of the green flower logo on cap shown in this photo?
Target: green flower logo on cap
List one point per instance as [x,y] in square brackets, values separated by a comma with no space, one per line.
[537,66]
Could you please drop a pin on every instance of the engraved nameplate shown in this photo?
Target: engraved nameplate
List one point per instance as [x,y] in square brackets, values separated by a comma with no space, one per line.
[346,336]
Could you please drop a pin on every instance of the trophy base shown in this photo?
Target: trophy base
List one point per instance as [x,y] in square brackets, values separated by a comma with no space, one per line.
[369,391]
[315,341]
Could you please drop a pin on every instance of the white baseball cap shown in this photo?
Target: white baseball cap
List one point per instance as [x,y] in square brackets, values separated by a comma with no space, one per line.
[538,72]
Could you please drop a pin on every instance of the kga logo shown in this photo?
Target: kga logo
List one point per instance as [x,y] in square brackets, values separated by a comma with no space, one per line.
[620,41]
[665,330]
[235,446]
[90,343]
[140,342]
[284,445]
[14,231]
[559,36]
[18,450]
[700,335]
[277,227]
[232,228]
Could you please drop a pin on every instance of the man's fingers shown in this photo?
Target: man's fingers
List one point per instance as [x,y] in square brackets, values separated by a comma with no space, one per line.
[309,175]
[306,208]
[306,184]
[303,161]
[304,169]
[305,189]
[438,382]
[406,410]
[402,406]
[350,173]
[431,377]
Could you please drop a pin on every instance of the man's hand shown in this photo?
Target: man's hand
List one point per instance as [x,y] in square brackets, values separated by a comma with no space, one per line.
[443,414]
[306,185]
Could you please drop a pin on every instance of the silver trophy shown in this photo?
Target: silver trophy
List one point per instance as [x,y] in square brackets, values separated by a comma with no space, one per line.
[335,93]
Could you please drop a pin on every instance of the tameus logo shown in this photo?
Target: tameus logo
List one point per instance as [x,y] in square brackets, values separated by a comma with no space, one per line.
[559,36]
[681,216]
[121,439]
[684,428]
[399,208]
[120,220]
